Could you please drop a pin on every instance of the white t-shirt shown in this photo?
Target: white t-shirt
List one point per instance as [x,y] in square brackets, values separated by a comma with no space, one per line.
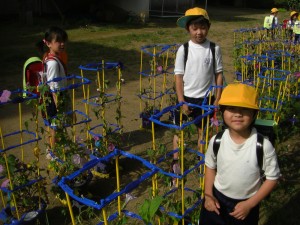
[54,69]
[290,24]
[238,173]
[198,72]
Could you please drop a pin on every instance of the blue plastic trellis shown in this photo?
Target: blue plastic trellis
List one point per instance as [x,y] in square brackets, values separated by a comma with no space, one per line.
[82,81]
[155,118]
[186,172]
[85,119]
[126,213]
[19,98]
[32,138]
[115,127]
[95,99]
[92,163]
[188,210]
[98,66]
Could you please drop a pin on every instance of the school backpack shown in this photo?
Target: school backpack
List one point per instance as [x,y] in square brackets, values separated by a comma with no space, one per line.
[268,22]
[259,148]
[33,71]
[212,46]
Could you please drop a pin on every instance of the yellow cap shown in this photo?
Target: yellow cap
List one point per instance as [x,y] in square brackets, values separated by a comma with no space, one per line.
[190,14]
[274,10]
[293,13]
[240,95]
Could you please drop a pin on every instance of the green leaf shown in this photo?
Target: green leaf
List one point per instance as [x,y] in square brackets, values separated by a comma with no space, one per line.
[154,205]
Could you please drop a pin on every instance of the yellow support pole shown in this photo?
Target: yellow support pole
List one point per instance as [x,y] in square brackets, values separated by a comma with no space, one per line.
[73,112]
[182,165]
[104,216]
[83,86]
[141,67]
[21,132]
[8,174]
[154,178]
[70,209]
[118,184]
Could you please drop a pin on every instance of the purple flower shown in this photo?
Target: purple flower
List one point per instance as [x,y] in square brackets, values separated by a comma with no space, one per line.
[5,96]
[110,147]
[297,74]
[76,159]
[5,183]
[159,68]
[214,122]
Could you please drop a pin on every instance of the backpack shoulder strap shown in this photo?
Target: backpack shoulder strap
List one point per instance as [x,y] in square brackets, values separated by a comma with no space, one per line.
[186,52]
[260,151]
[51,57]
[212,46]
[217,142]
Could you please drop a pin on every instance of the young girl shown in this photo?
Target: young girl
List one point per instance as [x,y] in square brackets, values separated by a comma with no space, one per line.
[54,67]
[233,185]
[291,23]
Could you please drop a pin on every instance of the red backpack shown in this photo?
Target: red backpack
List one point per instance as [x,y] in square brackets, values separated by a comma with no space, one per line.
[33,70]
[32,73]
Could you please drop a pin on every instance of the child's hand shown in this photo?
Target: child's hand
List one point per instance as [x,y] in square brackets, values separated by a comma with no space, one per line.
[211,204]
[241,210]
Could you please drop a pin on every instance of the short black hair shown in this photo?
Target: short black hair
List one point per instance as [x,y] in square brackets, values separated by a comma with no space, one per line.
[56,33]
[200,20]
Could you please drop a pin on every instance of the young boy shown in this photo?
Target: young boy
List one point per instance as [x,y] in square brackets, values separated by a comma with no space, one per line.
[272,22]
[233,185]
[195,74]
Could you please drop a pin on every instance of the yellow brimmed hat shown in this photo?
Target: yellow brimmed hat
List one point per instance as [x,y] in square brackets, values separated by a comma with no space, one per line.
[240,95]
[274,10]
[293,13]
[190,14]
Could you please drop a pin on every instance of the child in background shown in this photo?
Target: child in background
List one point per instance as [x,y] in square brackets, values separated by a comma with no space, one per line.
[271,22]
[296,30]
[195,75]
[291,23]
[55,39]
[233,182]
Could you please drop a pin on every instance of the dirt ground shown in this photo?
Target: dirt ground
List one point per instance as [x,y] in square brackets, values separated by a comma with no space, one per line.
[137,140]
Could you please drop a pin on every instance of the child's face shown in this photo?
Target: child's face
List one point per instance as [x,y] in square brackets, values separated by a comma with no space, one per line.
[56,47]
[198,33]
[238,118]
[295,17]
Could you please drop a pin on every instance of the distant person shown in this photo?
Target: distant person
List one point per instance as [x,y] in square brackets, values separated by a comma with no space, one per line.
[296,30]
[271,22]
[197,71]
[54,59]
[291,23]
[233,180]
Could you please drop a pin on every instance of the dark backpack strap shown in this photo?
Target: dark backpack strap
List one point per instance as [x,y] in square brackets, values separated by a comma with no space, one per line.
[186,52]
[212,46]
[217,142]
[260,151]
